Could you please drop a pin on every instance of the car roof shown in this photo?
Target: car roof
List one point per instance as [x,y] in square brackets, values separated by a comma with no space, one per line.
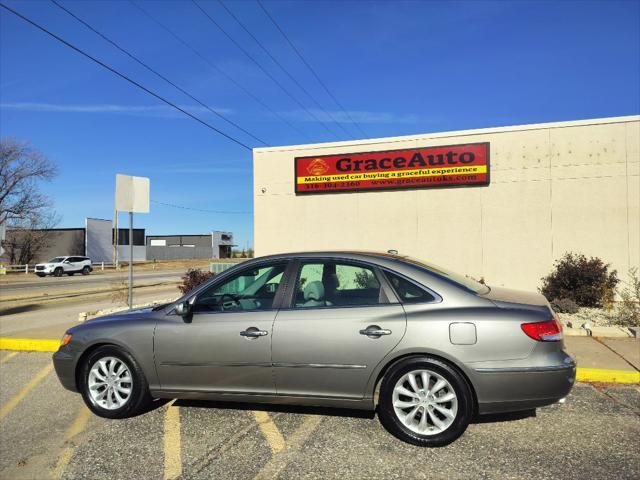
[349,254]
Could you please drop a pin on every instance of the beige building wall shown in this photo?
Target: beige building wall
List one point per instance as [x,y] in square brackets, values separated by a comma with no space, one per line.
[555,187]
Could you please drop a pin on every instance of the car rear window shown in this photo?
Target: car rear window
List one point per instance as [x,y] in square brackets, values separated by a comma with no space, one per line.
[462,280]
[408,292]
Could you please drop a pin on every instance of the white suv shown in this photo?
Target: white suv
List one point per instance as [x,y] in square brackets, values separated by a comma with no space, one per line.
[59,265]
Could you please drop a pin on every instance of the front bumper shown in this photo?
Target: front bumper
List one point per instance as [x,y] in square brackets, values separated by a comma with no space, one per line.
[513,388]
[65,365]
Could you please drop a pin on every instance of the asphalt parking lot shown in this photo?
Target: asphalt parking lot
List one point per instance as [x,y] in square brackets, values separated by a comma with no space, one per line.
[46,432]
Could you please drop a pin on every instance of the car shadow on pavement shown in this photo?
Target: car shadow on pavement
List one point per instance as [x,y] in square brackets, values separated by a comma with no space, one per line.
[299,409]
[334,412]
[504,417]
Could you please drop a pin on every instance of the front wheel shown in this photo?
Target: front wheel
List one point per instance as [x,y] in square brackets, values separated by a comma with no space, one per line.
[113,384]
[58,272]
[425,402]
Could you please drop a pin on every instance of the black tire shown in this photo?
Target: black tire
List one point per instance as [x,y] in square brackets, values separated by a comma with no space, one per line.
[392,423]
[139,398]
[86,270]
[58,272]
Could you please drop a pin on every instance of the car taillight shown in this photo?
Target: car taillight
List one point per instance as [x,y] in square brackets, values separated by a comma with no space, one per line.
[549,331]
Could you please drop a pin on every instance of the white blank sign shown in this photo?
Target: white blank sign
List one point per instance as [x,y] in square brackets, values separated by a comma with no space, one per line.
[132,194]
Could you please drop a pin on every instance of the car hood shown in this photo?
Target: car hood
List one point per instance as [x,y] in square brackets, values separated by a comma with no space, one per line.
[126,315]
[46,264]
[509,298]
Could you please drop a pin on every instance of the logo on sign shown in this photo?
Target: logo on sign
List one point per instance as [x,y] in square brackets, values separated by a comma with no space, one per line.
[317,167]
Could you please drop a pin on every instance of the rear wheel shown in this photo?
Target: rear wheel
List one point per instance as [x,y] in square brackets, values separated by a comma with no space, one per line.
[86,270]
[58,272]
[425,402]
[113,385]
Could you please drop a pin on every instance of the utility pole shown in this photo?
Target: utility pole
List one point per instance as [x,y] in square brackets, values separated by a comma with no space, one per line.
[130,260]
[115,238]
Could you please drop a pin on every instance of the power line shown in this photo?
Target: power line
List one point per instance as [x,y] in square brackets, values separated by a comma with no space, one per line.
[248,55]
[216,68]
[140,62]
[123,76]
[226,212]
[275,60]
[311,69]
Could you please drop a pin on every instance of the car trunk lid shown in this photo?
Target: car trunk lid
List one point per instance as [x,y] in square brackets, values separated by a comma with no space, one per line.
[509,298]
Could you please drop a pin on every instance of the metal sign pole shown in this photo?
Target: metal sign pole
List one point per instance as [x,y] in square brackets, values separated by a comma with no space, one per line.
[130,260]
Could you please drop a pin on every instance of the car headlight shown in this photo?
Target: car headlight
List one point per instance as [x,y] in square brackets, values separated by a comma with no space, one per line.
[65,339]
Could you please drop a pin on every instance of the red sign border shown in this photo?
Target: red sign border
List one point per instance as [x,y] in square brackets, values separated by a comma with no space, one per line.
[400,187]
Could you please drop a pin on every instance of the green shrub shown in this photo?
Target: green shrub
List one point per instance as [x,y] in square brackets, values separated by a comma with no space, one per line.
[628,312]
[564,305]
[193,278]
[586,281]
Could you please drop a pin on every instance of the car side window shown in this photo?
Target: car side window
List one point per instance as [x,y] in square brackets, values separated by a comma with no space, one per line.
[251,289]
[335,284]
[408,292]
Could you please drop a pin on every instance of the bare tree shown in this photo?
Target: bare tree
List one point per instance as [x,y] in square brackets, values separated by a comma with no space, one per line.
[29,238]
[21,168]
[23,208]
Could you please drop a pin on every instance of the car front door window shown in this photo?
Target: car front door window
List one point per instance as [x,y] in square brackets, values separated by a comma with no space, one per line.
[251,289]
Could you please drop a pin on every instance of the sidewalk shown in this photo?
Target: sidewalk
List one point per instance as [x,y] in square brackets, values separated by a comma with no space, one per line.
[605,360]
[605,353]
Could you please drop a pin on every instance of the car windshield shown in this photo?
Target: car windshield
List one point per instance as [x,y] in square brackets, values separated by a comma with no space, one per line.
[463,280]
[56,260]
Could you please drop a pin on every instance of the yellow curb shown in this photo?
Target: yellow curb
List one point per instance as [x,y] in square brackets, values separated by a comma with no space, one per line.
[29,344]
[607,376]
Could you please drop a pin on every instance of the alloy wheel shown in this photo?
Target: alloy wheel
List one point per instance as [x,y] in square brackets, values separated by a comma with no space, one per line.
[425,402]
[109,383]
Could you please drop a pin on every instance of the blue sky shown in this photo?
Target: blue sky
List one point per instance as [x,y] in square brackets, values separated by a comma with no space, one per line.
[397,67]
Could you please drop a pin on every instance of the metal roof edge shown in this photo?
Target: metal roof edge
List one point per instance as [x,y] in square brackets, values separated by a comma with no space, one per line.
[453,133]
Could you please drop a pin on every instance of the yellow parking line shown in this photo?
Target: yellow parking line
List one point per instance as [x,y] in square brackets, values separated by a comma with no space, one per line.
[270,431]
[6,358]
[13,402]
[279,461]
[607,376]
[29,344]
[172,453]
[74,429]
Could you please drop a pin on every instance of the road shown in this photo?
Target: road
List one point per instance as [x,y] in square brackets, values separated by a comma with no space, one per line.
[16,285]
[46,432]
[51,319]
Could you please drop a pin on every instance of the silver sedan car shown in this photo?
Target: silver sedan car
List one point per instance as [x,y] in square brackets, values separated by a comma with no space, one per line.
[427,348]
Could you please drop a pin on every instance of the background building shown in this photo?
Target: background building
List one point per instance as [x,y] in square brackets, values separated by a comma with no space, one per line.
[173,247]
[552,188]
[94,241]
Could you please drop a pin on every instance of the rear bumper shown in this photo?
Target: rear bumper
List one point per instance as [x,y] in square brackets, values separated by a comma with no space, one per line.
[65,366]
[508,389]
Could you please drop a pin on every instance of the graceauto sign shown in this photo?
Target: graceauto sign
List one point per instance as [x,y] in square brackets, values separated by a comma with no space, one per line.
[444,166]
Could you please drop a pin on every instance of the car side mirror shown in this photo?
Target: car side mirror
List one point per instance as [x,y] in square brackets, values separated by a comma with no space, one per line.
[184,310]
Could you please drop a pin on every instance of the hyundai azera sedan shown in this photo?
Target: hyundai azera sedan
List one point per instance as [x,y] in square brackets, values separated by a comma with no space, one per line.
[427,348]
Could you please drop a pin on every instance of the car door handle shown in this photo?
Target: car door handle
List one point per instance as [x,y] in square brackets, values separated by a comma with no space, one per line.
[375,331]
[253,332]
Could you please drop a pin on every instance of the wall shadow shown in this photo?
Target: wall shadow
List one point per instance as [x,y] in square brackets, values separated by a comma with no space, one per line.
[21,309]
